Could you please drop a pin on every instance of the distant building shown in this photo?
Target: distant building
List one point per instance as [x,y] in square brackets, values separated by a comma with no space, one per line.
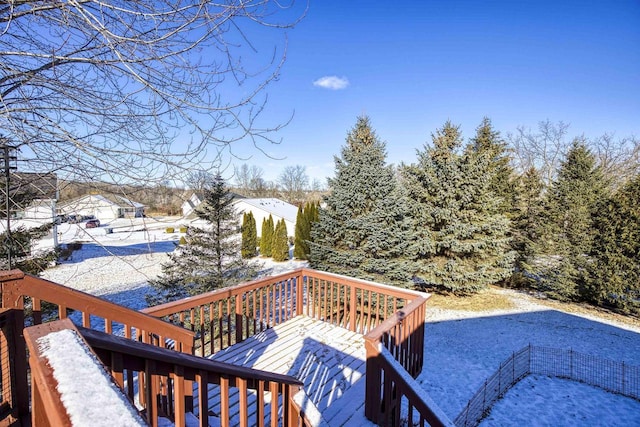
[260,207]
[103,206]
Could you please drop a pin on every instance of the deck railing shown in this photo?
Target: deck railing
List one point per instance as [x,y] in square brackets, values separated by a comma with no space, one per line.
[389,316]
[395,356]
[260,397]
[226,316]
[29,300]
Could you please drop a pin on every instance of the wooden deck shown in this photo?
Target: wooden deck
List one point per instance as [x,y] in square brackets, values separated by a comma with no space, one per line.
[329,360]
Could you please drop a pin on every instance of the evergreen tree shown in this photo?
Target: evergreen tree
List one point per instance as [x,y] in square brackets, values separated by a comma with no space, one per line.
[614,274]
[527,227]
[280,245]
[249,235]
[303,233]
[211,257]
[488,143]
[266,238]
[22,254]
[363,231]
[460,237]
[572,202]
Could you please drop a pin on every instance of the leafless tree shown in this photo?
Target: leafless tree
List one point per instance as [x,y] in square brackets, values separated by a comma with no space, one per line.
[293,182]
[138,90]
[546,148]
[619,158]
[543,149]
[249,180]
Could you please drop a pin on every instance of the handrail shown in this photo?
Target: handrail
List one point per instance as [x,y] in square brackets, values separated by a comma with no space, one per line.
[401,395]
[172,307]
[16,285]
[53,405]
[226,316]
[164,376]
[402,336]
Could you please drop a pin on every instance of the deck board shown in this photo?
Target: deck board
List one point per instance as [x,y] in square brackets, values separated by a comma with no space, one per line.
[329,360]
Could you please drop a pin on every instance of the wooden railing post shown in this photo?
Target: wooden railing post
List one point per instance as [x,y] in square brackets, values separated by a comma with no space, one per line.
[299,294]
[352,309]
[13,300]
[238,318]
[373,378]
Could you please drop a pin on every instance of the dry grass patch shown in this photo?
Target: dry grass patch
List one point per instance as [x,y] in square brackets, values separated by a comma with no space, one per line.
[589,310]
[489,299]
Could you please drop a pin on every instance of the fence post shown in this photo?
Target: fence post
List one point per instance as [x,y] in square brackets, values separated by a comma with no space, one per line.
[623,384]
[571,363]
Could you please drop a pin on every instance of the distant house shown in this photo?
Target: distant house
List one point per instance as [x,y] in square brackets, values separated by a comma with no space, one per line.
[104,207]
[189,205]
[261,209]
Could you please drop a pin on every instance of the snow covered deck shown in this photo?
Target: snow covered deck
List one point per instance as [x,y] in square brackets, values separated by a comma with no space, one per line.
[328,359]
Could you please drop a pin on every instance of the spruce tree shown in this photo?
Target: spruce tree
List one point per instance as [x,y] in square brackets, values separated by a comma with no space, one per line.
[572,203]
[266,238]
[211,257]
[614,273]
[303,233]
[460,236]
[363,229]
[249,235]
[527,227]
[280,245]
[488,143]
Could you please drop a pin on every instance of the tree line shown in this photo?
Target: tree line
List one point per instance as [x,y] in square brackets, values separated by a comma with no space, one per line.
[466,215]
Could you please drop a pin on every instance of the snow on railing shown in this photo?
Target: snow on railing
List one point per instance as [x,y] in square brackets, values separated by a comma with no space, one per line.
[71,385]
[610,375]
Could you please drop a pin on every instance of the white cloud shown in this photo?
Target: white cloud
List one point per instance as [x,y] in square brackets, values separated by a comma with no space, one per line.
[332,82]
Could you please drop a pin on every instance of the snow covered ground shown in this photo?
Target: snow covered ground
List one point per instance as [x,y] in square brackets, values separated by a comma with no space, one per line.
[462,349]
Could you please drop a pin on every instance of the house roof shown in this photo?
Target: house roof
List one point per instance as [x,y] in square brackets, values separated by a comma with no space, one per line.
[274,206]
[111,199]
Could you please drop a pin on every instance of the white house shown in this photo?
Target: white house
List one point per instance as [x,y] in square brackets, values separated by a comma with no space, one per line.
[189,205]
[40,209]
[103,207]
[262,208]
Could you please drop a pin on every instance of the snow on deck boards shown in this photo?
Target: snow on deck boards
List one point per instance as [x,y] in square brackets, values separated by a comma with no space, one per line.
[329,360]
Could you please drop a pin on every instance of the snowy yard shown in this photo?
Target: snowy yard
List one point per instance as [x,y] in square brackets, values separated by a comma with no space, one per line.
[461,348]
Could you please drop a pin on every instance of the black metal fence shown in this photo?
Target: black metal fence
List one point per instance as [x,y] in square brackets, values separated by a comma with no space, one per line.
[616,377]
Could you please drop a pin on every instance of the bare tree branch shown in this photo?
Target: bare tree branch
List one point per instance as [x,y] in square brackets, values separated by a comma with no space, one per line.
[137,91]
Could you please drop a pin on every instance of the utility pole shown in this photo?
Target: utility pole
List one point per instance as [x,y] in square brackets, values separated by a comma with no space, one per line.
[9,157]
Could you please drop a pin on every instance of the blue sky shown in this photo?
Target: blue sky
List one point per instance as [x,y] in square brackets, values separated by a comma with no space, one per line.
[412,65]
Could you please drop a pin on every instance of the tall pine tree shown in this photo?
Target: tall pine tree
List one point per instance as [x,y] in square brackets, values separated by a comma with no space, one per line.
[363,230]
[249,235]
[460,236]
[211,257]
[614,273]
[572,203]
[304,221]
[280,242]
[488,143]
[303,233]
[527,227]
[266,238]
